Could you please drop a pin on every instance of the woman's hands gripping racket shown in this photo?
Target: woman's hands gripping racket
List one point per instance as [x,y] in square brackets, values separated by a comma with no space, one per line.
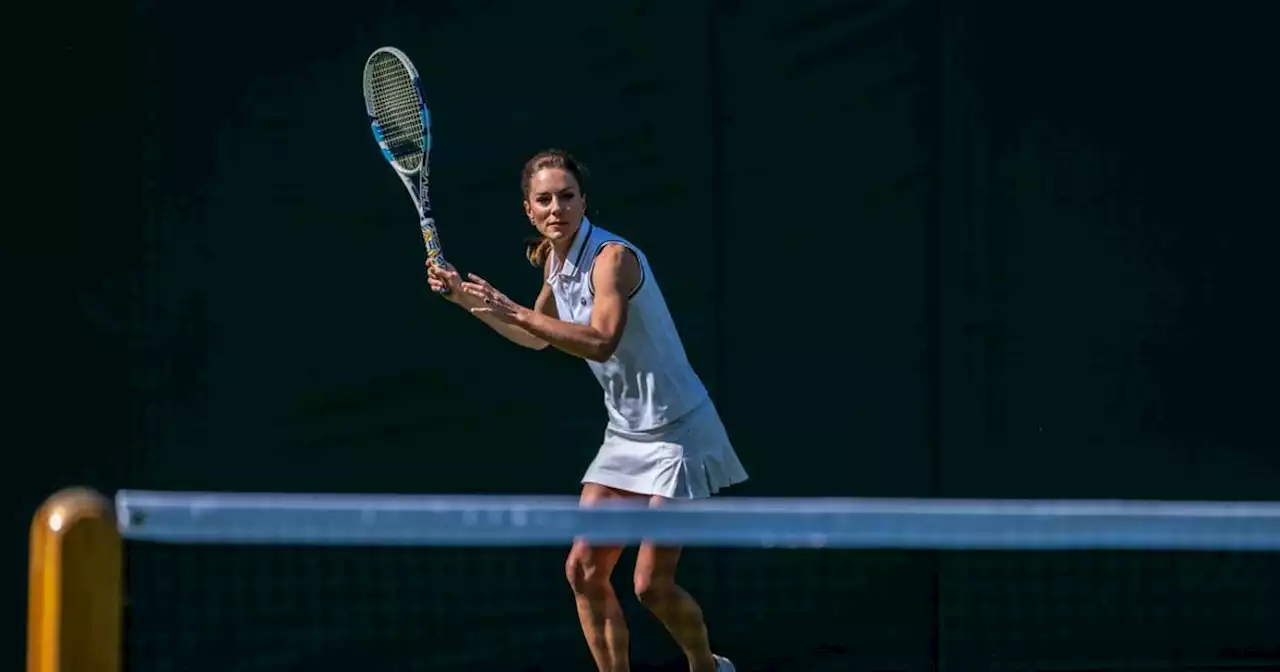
[444,279]
[401,123]
[475,294]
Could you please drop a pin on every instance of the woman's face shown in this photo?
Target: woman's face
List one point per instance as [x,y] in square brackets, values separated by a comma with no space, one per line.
[555,204]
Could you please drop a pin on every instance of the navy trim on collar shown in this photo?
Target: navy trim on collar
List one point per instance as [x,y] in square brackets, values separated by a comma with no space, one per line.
[580,239]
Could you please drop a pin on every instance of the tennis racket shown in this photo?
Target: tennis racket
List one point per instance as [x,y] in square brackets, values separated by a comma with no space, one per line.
[401,123]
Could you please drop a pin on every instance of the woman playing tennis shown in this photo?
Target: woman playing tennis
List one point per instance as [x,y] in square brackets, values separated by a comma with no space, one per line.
[664,440]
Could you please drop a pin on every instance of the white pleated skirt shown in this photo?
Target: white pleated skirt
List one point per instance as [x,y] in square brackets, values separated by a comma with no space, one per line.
[690,458]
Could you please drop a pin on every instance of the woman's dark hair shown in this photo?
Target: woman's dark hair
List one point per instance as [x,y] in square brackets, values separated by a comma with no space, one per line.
[537,249]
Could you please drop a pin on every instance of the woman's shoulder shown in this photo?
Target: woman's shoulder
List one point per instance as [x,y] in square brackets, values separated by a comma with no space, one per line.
[601,237]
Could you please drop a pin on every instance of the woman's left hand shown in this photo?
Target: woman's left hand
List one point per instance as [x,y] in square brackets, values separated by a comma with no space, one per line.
[493,302]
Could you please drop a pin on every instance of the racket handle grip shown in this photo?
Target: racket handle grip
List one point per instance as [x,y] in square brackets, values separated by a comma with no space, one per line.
[438,260]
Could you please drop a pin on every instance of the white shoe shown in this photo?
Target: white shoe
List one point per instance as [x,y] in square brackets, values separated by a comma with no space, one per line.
[724,664]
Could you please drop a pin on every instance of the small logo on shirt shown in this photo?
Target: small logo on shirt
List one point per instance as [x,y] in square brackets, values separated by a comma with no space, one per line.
[584,300]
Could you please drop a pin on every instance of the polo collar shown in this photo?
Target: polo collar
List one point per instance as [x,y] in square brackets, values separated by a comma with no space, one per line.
[578,250]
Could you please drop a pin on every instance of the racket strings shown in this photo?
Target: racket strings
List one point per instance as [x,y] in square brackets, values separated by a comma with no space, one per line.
[396,109]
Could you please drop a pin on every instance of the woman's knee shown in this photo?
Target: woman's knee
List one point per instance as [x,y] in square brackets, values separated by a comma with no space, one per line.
[653,587]
[654,580]
[586,570]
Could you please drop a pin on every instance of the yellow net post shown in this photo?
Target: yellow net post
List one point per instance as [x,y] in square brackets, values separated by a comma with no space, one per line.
[74,607]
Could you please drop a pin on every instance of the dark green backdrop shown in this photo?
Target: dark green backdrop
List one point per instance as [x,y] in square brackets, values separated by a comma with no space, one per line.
[916,248]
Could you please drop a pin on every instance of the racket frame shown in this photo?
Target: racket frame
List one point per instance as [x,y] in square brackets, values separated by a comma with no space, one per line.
[416,181]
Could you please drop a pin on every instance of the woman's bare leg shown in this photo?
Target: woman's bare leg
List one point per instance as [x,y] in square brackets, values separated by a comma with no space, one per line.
[588,570]
[655,585]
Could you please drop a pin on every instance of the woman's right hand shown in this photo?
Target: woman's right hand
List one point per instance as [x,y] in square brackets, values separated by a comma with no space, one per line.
[446,276]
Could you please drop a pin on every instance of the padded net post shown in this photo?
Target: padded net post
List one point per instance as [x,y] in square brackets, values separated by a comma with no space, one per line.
[74,607]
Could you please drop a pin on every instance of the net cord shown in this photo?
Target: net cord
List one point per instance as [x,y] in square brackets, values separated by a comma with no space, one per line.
[480,520]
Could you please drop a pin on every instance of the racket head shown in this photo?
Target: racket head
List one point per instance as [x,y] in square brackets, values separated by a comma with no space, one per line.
[397,110]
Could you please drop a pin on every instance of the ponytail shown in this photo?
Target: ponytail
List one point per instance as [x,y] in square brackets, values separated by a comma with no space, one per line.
[537,249]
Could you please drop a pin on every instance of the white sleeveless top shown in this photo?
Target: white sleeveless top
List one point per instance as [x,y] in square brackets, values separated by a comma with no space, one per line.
[648,381]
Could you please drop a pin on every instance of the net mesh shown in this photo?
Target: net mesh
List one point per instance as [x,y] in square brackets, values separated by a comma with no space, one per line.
[227,582]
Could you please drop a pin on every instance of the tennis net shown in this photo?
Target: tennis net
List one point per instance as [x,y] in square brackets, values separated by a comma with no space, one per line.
[226,581]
